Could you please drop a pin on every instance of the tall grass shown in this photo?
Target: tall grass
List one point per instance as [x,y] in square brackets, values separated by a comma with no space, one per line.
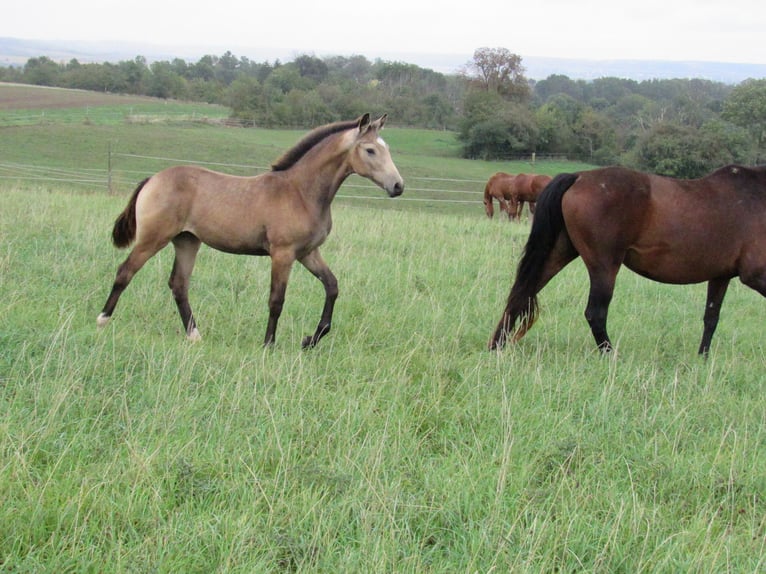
[398,445]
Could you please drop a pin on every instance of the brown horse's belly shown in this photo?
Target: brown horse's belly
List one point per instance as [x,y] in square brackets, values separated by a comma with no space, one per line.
[678,266]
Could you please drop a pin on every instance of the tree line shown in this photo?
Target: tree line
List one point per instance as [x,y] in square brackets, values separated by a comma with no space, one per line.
[679,127]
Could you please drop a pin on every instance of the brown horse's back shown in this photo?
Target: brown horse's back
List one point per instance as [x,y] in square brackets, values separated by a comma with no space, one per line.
[669,230]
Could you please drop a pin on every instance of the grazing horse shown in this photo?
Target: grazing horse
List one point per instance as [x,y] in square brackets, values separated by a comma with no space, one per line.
[670,230]
[526,188]
[283,213]
[497,187]
[512,191]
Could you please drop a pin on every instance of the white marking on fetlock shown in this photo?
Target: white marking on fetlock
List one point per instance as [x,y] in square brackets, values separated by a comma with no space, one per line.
[194,335]
[102,320]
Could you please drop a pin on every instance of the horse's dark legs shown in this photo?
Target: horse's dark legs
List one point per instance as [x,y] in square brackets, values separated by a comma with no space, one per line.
[125,272]
[314,263]
[186,246]
[601,290]
[716,290]
[281,264]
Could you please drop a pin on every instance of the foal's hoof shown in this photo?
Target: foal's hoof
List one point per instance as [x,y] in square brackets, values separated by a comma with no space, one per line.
[194,336]
[102,320]
[308,342]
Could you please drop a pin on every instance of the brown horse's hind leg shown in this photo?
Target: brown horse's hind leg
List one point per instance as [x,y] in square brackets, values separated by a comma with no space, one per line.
[125,272]
[314,263]
[716,290]
[601,290]
[186,246]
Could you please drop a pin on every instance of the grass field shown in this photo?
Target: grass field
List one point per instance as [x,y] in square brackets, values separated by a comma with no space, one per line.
[399,444]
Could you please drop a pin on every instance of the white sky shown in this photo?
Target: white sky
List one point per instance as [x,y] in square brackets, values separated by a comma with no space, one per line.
[700,30]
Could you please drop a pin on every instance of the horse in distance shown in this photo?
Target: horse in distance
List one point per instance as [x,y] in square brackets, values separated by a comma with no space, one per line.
[512,192]
[669,230]
[497,188]
[526,188]
[283,213]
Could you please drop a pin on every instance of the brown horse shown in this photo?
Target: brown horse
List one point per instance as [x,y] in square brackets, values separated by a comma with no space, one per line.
[512,191]
[526,188]
[284,213]
[669,230]
[497,187]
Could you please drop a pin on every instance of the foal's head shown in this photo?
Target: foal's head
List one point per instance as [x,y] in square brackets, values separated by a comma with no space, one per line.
[370,157]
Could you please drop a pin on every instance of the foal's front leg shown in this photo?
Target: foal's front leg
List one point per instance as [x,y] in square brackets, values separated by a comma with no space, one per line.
[314,263]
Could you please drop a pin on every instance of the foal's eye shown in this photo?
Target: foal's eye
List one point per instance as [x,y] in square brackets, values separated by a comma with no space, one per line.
[370,151]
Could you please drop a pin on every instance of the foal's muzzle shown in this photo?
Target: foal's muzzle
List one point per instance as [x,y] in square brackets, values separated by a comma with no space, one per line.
[397,190]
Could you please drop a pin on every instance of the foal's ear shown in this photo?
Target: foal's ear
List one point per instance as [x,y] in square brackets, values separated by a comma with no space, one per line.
[364,122]
[380,122]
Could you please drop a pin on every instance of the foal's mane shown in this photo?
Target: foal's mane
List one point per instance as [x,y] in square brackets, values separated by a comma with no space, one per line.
[291,156]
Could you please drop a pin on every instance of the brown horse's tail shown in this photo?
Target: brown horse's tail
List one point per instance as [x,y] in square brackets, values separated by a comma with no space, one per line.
[488,207]
[124,231]
[548,224]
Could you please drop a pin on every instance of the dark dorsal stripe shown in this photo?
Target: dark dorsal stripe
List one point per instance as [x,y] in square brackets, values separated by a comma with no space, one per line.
[291,156]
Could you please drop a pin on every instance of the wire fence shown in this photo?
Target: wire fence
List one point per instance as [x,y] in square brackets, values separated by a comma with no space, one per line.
[123,171]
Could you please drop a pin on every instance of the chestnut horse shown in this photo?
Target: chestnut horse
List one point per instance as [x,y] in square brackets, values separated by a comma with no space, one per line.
[669,230]
[512,191]
[497,187]
[284,213]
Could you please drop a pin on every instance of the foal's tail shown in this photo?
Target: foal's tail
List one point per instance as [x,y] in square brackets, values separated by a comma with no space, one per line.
[124,231]
[488,207]
[547,225]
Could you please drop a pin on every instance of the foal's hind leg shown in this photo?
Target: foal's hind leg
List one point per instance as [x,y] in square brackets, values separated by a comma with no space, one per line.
[125,272]
[186,246]
[314,263]
[281,264]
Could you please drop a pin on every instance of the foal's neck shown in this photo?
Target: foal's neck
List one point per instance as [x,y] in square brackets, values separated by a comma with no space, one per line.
[321,172]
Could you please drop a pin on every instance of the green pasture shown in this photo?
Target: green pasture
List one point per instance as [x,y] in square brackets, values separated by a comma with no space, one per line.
[399,444]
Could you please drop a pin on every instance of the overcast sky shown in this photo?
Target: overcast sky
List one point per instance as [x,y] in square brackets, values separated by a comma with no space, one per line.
[700,30]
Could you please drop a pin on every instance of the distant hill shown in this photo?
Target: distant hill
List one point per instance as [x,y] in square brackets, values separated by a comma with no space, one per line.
[729,73]
[15,52]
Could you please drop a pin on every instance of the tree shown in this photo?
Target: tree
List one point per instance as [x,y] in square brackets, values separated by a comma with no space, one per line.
[500,71]
[596,137]
[165,83]
[688,152]
[495,128]
[746,107]
[558,84]
[245,97]
[41,71]
[311,67]
[557,121]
